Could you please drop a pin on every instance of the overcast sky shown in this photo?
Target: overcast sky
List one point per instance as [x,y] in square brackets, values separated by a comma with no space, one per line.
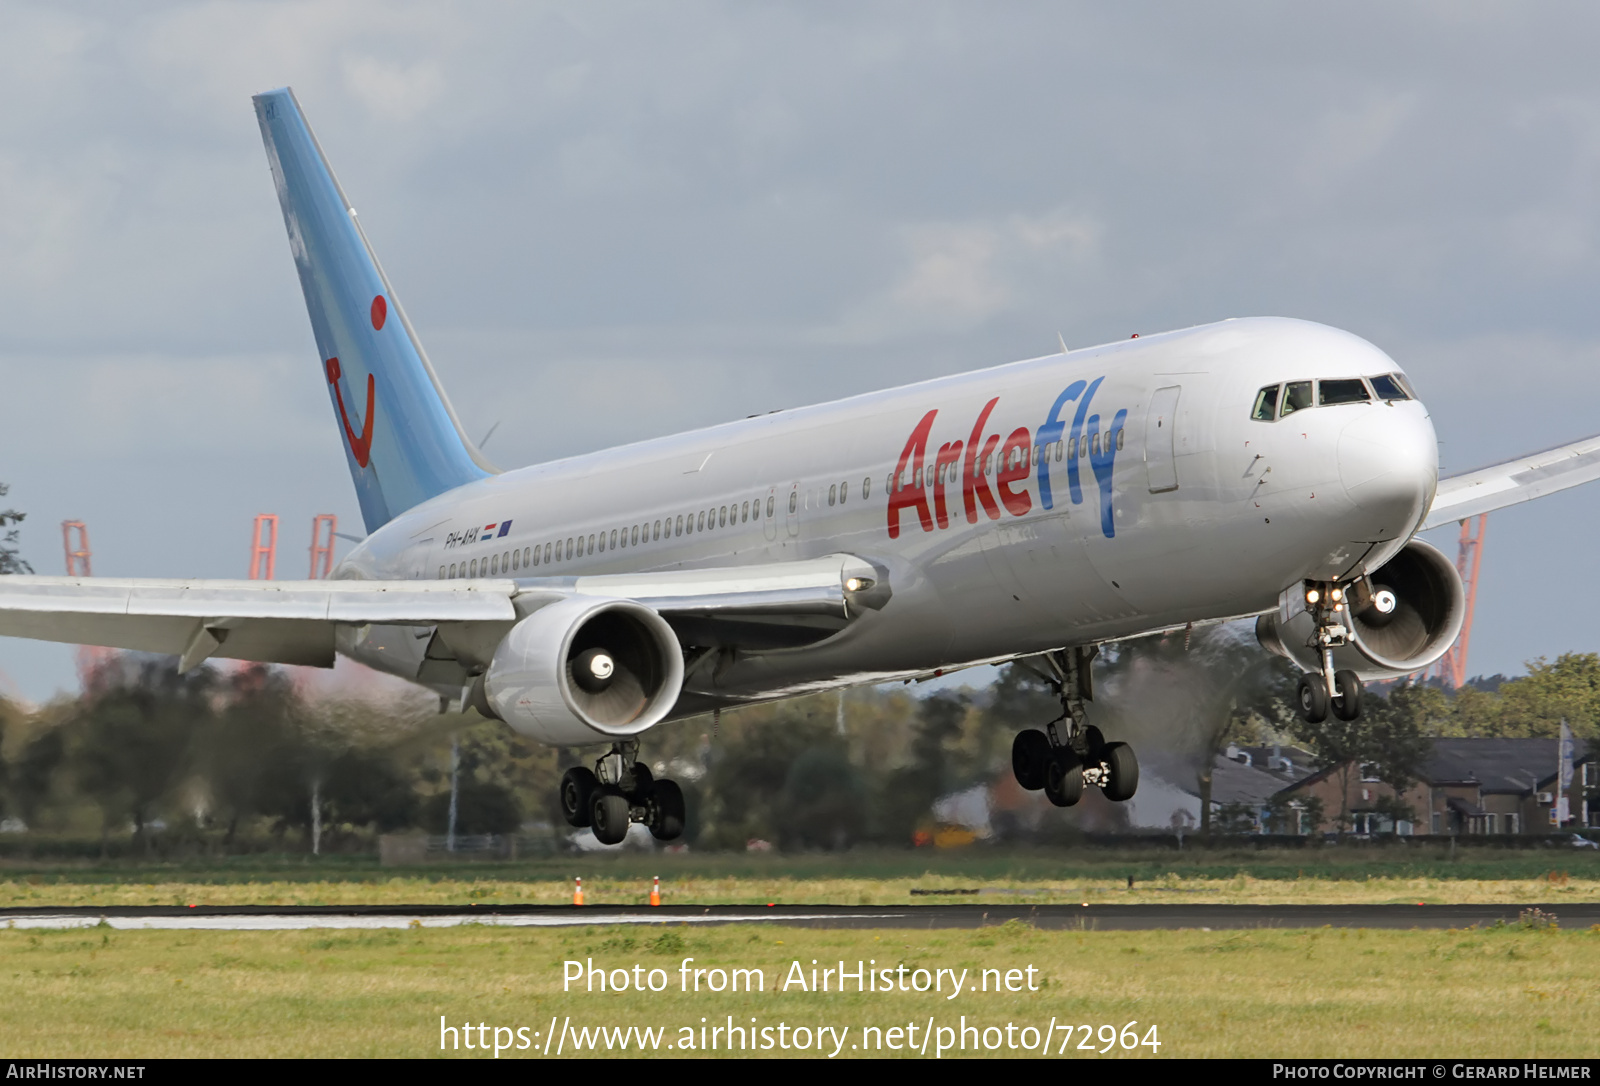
[610,221]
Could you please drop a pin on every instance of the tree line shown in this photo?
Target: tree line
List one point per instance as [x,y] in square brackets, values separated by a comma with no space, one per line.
[234,757]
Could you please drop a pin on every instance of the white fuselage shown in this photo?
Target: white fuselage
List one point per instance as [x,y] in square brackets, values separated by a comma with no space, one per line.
[1196,511]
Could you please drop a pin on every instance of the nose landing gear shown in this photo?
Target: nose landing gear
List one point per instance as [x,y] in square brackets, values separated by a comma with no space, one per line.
[619,791]
[1336,690]
[1071,754]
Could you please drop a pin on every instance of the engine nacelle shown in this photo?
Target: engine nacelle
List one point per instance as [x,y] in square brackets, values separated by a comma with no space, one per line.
[585,669]
[1405,616]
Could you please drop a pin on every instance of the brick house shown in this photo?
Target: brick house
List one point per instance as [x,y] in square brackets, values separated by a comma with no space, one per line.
[1465,787]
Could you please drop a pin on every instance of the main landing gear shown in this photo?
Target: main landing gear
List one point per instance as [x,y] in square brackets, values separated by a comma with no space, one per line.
[619,791]
[1330,689]
[1070,753]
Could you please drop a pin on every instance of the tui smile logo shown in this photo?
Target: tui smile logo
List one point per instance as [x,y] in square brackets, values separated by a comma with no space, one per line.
[360,446]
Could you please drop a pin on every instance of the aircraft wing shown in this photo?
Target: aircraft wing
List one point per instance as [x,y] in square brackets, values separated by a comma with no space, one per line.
[1500,485]
[297,622]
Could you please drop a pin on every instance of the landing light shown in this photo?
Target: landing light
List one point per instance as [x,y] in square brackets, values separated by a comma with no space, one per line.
[1336,595]
[858,584]
[1312,595]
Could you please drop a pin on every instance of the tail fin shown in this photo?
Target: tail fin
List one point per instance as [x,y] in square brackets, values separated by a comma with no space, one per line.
[402,437]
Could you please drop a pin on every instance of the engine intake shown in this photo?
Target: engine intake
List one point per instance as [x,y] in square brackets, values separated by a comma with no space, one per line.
[583,670]
[1402,618]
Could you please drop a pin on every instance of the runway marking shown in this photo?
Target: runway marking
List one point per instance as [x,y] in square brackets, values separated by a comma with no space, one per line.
[273,922]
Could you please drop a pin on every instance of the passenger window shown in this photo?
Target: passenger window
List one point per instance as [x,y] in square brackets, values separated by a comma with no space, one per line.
[1296,397]
[1388,388]
[452,571]
[680,526]
[655,530]
[613,537]
[702,525]
[1266,408]
[769,505]
[833,493]
[744,513]
[1120,435]
[547,552]
[505,561]
[794,500]
[569,549]
[1083,446]
[844,493]
[516,559]
[441,573]
[722,516]
[473,567]
[866,487]
[528,553]
[1350,390]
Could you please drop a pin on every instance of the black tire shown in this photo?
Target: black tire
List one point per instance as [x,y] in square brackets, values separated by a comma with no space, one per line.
[1124,771]
[643,782]
[609,816]
[577,796]
[1094,741]
[1063,782]
[666,811]
[1312,697]
[1030,758]
[1347,706]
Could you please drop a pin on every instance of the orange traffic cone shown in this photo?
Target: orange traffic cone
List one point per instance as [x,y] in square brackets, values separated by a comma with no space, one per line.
[655,892]
[577,893]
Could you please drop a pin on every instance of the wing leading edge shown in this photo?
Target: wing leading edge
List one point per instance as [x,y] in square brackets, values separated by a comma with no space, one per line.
[297,622]
[1499,485]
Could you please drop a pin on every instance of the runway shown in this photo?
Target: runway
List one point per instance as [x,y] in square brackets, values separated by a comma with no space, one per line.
[1110,917]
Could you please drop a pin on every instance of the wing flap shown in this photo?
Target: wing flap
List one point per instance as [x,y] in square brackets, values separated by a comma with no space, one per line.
[296,622]
[1514,481]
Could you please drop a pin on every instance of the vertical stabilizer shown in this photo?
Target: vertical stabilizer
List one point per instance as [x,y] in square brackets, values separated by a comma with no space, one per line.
[401,436]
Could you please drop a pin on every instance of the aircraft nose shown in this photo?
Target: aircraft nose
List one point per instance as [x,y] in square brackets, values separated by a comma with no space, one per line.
[1389,465]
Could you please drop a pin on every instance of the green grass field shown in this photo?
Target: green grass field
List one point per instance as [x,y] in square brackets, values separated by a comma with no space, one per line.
[1505,992]
[1326,876]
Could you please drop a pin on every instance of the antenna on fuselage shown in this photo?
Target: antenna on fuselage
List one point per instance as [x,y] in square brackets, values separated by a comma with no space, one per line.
[1061,339]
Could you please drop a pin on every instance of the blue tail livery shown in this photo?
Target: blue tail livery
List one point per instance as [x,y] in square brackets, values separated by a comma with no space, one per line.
[402,438]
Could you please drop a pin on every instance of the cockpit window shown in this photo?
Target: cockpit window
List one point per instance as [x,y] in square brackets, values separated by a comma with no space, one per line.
[1266,408]
[1350,390]
[1388,388]
[1296,395]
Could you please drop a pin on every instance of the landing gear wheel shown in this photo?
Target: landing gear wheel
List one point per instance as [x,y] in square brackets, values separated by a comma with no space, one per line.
[1030,759]
[609,816]
[577,796]
[1124,771]
[1347,705]
[1063,779]
[1312,697]
[665,807]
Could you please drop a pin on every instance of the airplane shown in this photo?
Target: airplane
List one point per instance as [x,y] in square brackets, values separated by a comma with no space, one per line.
[1032,512]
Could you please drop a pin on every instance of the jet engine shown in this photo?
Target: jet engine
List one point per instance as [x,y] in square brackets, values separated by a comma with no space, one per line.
[584,669]
[1399,619]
